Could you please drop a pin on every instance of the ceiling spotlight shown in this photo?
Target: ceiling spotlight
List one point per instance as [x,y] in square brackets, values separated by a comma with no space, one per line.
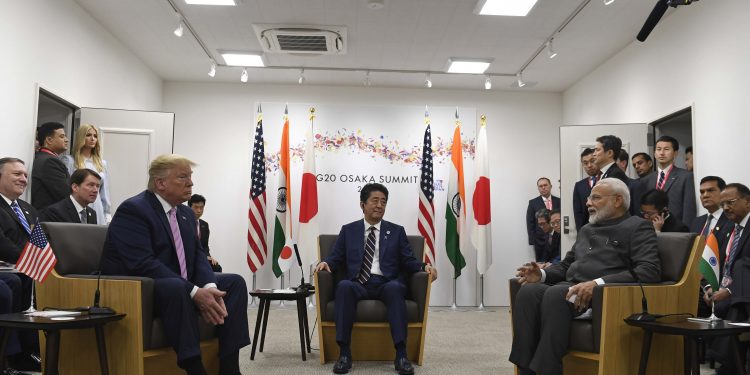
[607,2]
[521,83]
[243,77]
[551,50]
[488,83]
[427,81]
[212,70]
[179,30]
[301,78]
[367,81]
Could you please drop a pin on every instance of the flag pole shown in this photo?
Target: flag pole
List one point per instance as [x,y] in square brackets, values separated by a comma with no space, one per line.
[252,299]
[281,303]
[31,308]
[310,304]
[453,306]
[481,292]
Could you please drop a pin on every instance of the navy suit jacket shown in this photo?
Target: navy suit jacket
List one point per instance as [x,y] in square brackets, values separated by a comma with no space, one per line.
[581,192]
[12,235]
[741,270]
[139,243]
[64,211]
[50,181]
[396,256]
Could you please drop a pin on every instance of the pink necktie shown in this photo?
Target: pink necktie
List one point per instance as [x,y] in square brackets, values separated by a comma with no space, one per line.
[548,203]
[178,242]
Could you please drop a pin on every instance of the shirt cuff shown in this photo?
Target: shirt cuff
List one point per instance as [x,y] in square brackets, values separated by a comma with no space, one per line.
[599,281]
[544,276]
[195,289]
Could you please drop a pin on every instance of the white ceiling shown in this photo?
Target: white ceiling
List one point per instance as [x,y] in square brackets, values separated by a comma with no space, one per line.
[404,35]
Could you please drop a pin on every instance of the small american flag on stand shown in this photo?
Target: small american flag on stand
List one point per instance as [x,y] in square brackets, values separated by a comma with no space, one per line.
[37,258]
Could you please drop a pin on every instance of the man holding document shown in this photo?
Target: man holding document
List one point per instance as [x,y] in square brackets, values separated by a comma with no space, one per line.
[606,251]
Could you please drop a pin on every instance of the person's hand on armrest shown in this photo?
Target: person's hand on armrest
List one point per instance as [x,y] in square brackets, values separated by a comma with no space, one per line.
[584,291]
[529,273]
[210,303]
[322,266]
[432,271]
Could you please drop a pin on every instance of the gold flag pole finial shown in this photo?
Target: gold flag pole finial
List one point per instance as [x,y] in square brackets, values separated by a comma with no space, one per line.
[483,120]
[260,113]
[426,115]
[458,121]
[312,113]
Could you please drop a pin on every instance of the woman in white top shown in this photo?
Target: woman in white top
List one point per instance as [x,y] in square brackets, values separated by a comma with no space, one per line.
[87,153]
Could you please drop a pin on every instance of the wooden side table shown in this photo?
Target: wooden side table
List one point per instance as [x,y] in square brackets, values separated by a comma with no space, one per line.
[690,331]
[52,327]
[265,296]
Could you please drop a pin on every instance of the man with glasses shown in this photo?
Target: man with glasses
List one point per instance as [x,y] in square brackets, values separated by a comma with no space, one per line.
[735,283]
[606,250]
[654,208]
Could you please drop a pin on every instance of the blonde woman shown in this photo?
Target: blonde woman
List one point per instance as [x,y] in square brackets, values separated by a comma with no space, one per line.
[87,153]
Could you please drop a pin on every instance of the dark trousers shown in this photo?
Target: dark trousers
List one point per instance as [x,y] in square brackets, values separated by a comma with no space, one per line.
[180,316]
[17,290]
[391,292]
[721,348]
[541,327]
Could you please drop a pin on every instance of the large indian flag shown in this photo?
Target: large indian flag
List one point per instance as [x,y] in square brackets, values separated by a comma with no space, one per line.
[455,210]
[282,235]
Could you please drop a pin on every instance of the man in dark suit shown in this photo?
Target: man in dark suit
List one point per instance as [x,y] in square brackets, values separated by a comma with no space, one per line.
[643,164]
[552,242]
[582,188]
[198,203]
[84,184]
[714,222]
[735,283]
[677,182]
[49,176]
[544,200]
[606,151]
[153,234]
[376,256]
[17,219]
[597,257]
[655,208]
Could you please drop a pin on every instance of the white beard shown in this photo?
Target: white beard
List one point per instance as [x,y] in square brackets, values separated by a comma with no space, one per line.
[600,215]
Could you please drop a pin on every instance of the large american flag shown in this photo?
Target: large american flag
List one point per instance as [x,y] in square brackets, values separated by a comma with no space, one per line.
[426,219]
[37,258]
[256,230]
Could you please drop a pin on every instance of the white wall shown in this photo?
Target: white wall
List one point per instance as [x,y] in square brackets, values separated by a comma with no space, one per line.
[697,56]
[214,124]
[57,45]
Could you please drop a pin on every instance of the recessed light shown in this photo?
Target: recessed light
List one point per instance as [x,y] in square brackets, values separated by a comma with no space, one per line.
[243,59]
[470,66]
[504,7]
[211,2]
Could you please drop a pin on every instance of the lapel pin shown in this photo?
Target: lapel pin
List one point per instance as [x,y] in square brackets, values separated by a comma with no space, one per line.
[183,217]
[387,232]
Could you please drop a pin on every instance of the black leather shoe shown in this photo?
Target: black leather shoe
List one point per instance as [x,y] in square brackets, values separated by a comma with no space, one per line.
[403,366]
[11,371]
[25,362]
[342,365]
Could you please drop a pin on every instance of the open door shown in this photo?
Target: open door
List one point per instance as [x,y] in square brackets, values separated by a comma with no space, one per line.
[573,140]
[130,140]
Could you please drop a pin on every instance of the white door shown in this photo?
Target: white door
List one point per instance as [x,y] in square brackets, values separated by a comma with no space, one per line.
[573,140]
[130,140]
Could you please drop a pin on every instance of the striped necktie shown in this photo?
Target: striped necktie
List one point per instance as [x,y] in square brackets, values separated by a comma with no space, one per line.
[660,184]
[84,218]
[178,245]
[364,272]
[707,228]
[21,217]
[736,235]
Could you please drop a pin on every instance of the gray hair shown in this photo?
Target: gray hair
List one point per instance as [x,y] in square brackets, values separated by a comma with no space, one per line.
[543,213]
[618,188]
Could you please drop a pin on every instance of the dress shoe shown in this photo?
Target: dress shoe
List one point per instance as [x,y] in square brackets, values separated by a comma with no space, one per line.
[11,371]
[403,366]
[25,362]
[342,365]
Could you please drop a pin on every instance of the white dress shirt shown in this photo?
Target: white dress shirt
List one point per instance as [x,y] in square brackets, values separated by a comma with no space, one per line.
[375,269]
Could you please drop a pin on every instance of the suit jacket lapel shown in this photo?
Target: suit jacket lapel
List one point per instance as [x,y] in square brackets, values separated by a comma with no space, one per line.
[159,212]
[70,210]
[673,176]
[12,214]
[385,230]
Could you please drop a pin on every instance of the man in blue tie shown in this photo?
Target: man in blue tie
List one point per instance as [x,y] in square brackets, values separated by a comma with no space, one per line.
[16,218]
[153,234]
[375,254]
[582,188]
[735,282]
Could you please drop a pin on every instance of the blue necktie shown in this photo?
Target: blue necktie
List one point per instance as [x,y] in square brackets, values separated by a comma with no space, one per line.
[732,256]
[21,217]
[660,184]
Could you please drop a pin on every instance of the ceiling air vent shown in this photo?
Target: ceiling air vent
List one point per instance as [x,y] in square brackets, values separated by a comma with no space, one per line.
[302,39]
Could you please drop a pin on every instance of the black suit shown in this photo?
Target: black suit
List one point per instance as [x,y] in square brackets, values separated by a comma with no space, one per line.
[581,192]
[671,224]
[721,230]
[633,186]
[50,181]
[203,234]
[65,211]
[615,172]
[536,235]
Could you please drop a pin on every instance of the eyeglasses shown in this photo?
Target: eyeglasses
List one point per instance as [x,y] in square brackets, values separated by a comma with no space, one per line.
[597,198]
[729,203]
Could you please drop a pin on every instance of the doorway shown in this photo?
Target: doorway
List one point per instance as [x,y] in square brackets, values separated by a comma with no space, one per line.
[680,126]
[53,108]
